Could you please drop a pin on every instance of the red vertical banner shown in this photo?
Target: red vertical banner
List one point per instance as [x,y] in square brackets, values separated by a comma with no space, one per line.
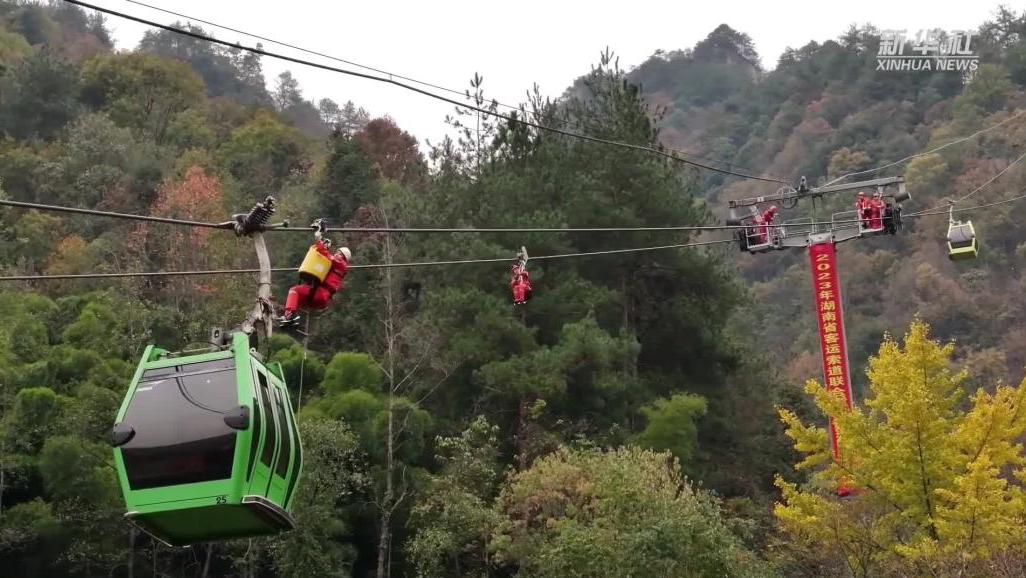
[830,316]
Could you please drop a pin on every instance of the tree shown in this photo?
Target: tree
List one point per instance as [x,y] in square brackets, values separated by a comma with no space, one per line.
[330,112]
[988,90]
[392,151]
[927,173]
[332,477]
[348,179]
[672,425]
[264,153]
[286,92]
[845,161]
[303,369]
[38,97]
[141,91]
[78,480]
[197,197]
[937,476]
[289,101]
[227,72]
[624,512]
[352,118]
[12,49]
[725,43]
[33,418]
[348,371]
[453,517]
[98,157]
[584,370]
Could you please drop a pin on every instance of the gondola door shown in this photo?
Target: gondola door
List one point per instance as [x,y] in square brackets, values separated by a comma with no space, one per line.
[269,440]
[278,490]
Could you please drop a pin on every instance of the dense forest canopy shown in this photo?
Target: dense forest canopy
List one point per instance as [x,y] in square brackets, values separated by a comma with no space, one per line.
[645,414]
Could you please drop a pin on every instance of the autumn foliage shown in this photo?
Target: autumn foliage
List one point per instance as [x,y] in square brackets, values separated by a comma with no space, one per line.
[940,474]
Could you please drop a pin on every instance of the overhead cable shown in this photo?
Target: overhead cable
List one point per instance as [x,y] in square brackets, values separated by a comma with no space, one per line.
[931,151]
[370,266]
[438,230]
[380,71]
[625,145]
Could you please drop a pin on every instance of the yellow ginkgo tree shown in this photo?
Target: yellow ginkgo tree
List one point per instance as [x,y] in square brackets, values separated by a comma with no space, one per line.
[939,471]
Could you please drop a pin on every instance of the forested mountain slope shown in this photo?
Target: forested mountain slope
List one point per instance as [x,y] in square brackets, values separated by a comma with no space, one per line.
[825,111]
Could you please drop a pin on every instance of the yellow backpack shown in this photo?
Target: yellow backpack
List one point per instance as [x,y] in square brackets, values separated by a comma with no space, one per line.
[315,265]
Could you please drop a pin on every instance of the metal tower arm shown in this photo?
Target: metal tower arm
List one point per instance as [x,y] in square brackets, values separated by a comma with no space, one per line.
[804,192]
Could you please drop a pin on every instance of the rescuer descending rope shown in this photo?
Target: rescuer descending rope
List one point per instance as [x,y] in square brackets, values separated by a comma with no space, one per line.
[321,276]
[520,279]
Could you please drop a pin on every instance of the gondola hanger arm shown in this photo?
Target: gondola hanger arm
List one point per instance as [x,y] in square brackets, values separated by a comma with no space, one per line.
[253,224]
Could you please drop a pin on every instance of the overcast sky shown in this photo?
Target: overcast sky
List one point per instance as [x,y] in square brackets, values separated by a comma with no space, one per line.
[516,44]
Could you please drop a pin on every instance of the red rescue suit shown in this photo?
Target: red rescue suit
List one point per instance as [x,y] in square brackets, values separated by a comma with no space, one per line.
[317,295]
[877,207]
[764,221]
[520,283]
[862,209]
[756,231]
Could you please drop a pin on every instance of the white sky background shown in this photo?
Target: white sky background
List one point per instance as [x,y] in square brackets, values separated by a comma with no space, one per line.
[514,45]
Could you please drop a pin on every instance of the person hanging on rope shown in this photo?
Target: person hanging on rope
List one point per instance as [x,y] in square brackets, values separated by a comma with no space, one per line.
[321,276]
[520,280]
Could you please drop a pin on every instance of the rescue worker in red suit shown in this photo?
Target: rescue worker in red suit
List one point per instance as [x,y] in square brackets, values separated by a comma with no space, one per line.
[877,207]
[520,282]
[755,232]
[311,294]
[862,208]
[767,219]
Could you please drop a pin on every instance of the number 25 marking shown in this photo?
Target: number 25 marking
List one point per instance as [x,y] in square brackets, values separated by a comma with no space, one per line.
[222,499]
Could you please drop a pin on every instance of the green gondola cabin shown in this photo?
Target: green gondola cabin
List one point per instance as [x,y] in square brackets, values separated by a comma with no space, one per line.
[206,446]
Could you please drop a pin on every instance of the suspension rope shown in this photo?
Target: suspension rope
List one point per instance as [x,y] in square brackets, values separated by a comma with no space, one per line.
[931,151]
[672,155]
[371,266]
[944,211]
[229,225]
[522,109]
[445,230]
[951,203]
[926,213]
[113,215]
[302,363]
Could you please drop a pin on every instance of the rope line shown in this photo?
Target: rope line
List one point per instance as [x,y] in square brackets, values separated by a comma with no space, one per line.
[927,213]
[931,151]
[938,211]
[992,179]
[371,266]
[113,215]
[228,225]
[389,74]
[391,80]
[302,364]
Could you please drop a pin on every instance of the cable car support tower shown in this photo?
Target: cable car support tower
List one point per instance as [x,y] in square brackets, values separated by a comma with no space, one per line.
[821,239]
